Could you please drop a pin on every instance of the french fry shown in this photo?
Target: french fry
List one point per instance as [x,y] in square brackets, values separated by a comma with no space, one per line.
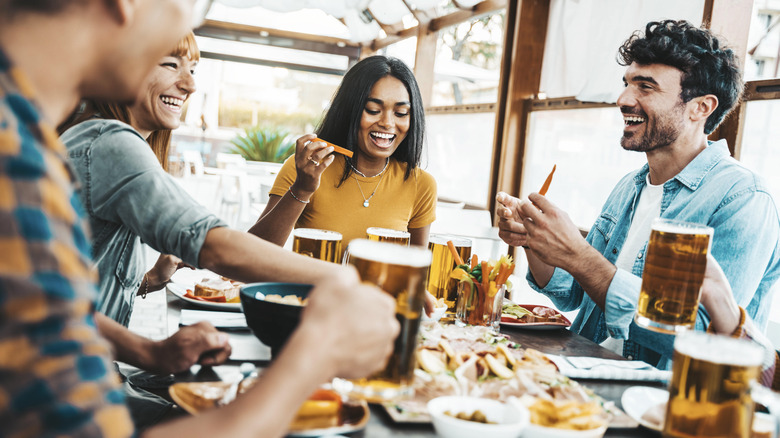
[337,149]
[547,182]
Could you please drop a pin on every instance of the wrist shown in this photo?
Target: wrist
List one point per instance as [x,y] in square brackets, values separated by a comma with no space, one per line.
[302,193]
[310,342]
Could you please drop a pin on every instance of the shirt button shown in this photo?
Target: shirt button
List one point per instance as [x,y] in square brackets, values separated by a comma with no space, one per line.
[630,357]
[614,250]
[639,256]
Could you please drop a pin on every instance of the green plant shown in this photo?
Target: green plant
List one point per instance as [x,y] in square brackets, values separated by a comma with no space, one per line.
[264,144]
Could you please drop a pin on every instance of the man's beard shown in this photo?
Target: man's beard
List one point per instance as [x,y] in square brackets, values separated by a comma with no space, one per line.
[663,132]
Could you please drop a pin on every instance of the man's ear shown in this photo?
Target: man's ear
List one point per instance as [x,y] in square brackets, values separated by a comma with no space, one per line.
[701,107]
[121,10]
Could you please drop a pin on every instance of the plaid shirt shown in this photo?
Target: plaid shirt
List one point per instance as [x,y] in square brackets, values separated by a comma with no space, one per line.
[56,376]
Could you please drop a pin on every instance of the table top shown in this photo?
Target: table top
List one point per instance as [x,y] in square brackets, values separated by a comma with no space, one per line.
[561,342]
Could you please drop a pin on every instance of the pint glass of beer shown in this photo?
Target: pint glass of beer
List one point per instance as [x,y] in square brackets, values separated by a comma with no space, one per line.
[399,271]
[319,244]
[674,270]
[712,380]
[388,235]
[439,283]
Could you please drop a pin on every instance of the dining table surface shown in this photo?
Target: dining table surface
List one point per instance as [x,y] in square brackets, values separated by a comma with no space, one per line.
[247,348]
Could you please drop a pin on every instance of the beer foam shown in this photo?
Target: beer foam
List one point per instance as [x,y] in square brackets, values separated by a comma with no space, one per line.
[678,227]
[390,253]
[387,232]
[441,239]
[314,233]
[719,349]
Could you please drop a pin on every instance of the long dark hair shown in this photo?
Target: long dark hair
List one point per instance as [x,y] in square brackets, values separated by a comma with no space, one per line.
[708,67]
[341,124]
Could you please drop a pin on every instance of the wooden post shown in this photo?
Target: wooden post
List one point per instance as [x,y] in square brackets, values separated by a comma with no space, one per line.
[521,71]
[424,60]
[730,19]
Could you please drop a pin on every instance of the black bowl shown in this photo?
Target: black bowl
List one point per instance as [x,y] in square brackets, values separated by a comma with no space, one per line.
[272,323]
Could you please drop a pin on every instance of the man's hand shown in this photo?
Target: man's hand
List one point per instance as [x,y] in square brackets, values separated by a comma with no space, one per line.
[199,343]
[160,274]
[510,220]
[718,298]
[352,326]
[551,235]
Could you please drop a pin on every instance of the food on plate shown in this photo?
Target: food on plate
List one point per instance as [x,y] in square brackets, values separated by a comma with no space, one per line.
[321,410]
[293,300]
[473,361]
[476,416]
[218,290]
[540,314]
[566,414]
[478,304]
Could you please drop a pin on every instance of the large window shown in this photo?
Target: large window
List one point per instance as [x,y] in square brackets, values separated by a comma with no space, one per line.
[584,144]
[460,151]
[763,60]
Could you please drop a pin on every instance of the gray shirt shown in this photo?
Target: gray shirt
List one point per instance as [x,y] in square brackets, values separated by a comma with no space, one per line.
[130,200]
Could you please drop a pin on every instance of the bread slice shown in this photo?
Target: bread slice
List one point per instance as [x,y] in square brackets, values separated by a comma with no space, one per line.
[215,287]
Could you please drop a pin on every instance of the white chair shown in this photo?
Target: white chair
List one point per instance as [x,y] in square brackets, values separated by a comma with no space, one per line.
[193,163]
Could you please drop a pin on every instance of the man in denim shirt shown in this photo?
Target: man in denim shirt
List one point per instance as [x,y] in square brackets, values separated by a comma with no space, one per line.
[680,84]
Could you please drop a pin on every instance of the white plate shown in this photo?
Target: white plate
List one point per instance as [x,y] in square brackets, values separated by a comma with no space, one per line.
[637,400]
[179,290]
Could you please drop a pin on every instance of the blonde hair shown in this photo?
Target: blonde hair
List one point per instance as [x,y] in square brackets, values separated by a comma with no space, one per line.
[160,140]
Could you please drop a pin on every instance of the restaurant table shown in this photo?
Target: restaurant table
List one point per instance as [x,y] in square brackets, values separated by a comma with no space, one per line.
[561,342]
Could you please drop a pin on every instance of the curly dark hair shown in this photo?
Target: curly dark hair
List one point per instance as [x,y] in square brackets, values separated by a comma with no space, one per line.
[707,65]
[41,6]
[341,124]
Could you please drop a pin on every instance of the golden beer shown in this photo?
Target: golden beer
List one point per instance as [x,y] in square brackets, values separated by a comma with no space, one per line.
[388,235]
[439,283]
[709,395]
[399,271]
[319,244]
[674,270]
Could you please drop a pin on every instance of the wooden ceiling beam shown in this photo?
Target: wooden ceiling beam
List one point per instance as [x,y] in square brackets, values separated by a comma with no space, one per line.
[278,38]
[436,24]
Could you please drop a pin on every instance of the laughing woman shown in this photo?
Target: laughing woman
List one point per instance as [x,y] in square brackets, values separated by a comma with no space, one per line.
[377,113]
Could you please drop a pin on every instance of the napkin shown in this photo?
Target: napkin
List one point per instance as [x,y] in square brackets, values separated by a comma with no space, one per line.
[219,319]
[579,367]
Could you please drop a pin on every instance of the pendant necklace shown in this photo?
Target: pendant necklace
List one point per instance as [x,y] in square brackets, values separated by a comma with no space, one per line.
[382,173]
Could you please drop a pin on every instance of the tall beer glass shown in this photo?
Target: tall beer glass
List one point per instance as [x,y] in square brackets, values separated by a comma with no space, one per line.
[710,392]
[674,270]
[399,271]
[439,283]
[319,244]
[388,235]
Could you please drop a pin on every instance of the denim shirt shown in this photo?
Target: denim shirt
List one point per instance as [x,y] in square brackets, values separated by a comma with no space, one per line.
[713,189]
[130,199]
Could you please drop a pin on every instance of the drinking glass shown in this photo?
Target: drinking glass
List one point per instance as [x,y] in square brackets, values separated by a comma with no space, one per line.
[713,387]
[388,235]
[319,244]
[400,272]
[674,270]
[439,283]
[478,305]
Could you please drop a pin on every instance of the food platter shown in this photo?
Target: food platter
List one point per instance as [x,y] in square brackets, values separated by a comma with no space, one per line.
[559,322]
[197,397]
[180,290]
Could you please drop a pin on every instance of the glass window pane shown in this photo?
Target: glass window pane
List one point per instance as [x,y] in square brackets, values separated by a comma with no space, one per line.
[585,146]
[468,62]
[760,153]
[763,60]
[460,151]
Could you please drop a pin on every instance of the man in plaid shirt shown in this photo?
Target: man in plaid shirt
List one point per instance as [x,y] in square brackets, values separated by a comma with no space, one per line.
[56,375]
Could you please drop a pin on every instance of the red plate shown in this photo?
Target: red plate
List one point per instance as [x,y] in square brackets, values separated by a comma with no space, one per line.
[561,322]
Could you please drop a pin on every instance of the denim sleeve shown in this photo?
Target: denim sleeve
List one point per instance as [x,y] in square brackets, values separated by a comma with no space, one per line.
[562,290]
[620,304]
[127,185]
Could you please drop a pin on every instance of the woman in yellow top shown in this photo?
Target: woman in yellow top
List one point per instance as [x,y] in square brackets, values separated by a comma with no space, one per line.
[377,113]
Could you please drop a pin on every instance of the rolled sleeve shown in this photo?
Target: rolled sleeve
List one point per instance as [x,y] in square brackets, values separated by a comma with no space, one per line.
[562,290]
[620,304]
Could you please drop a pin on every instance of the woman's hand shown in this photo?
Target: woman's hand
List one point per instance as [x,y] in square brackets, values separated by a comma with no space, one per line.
[311,159]
[161,272]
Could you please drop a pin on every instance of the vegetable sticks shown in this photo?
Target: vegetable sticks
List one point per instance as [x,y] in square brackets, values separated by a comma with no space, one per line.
[337,149]
[547,182]
[458,260]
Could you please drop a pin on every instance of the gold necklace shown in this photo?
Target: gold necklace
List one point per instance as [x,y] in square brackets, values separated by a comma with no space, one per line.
[366,200]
